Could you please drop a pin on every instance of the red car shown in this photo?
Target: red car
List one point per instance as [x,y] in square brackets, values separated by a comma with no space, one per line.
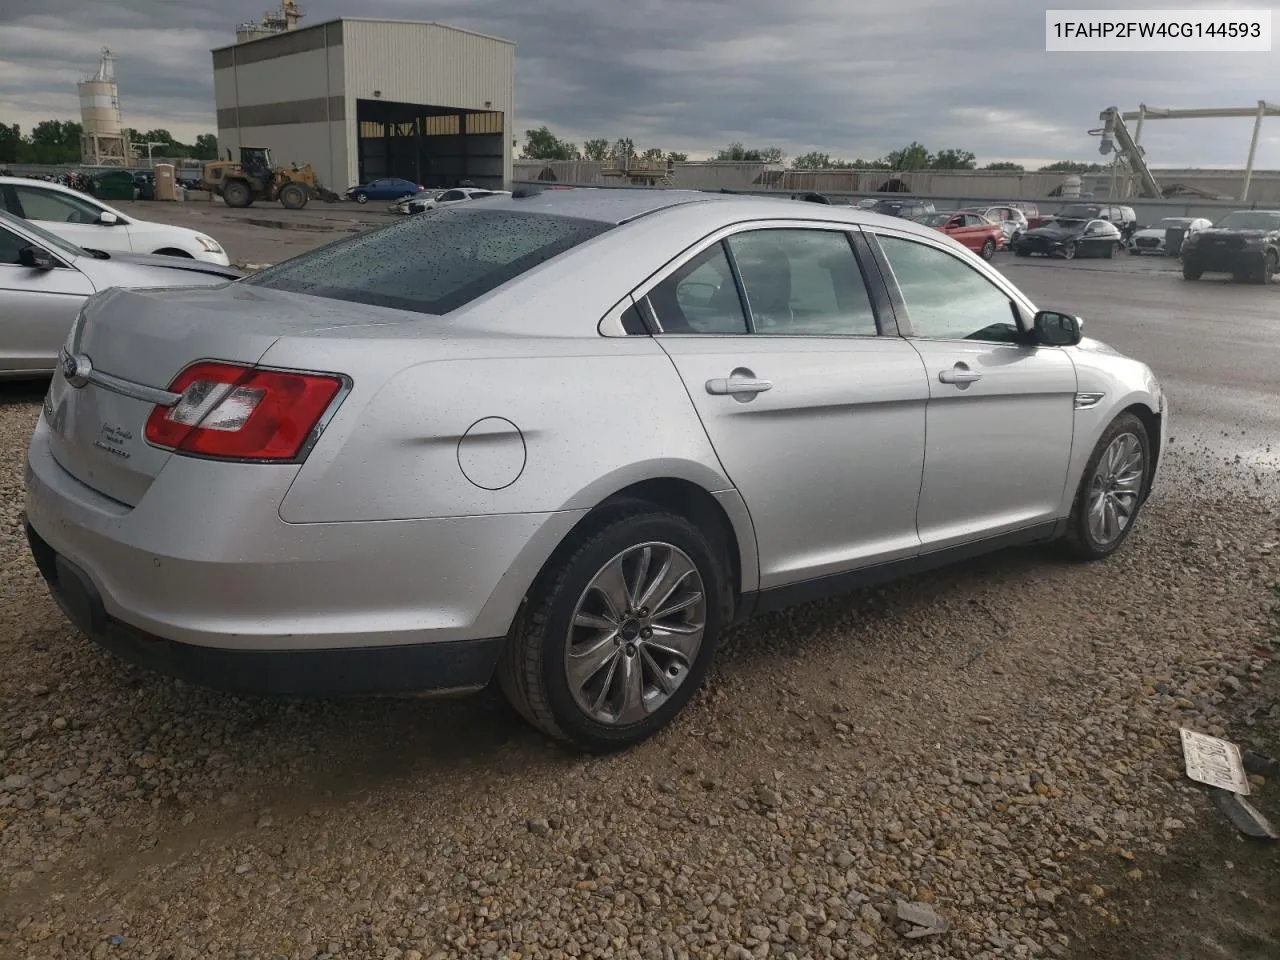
[975,231]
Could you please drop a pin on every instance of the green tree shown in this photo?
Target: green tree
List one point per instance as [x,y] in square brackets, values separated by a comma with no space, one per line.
[914,156]
[677,157]
[952,160]
[542,144]
[814,160]
[654,153]
[597,148]
[737,153]
[1005,165]
[206,147]
[1071,166]
[14,147]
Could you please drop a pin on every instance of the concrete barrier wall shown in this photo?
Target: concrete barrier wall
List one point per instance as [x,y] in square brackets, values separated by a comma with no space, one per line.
[1148,211]
[986,184]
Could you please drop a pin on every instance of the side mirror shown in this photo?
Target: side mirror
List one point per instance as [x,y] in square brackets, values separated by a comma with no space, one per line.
[1054,329]
[107,218]
[37,258]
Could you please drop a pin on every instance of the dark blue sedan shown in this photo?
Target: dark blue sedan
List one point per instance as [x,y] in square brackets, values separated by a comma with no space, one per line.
[388,188]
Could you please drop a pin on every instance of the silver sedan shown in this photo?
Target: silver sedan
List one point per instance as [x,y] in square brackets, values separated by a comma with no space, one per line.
[563,439]
[45,280]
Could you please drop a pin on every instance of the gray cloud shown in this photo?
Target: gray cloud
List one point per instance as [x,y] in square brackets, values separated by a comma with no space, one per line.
[854,80]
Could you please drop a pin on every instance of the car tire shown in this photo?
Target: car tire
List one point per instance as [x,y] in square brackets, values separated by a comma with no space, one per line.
[988,249]
[1270,264]
[361,198]
[1110,252]
[1191,273]
[534,671]
[1098,524]
[1019,252]
[1069,252]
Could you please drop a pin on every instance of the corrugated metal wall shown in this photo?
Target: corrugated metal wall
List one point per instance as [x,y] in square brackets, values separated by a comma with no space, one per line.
[429,64]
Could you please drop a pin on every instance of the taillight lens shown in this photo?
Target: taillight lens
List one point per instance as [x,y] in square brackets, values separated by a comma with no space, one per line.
[239,413]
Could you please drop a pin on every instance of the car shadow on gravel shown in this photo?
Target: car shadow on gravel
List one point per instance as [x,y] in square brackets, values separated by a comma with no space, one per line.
[20,392]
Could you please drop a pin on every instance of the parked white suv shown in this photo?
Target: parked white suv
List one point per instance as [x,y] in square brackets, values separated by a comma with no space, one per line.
[90,223]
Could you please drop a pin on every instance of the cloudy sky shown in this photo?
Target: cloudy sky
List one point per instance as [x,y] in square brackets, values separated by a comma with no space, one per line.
[854,79]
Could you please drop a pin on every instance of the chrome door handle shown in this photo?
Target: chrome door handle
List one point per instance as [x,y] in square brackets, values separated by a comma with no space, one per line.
[738,386]
[959,374]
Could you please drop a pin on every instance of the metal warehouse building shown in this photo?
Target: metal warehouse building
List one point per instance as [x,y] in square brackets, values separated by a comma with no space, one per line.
[362,99]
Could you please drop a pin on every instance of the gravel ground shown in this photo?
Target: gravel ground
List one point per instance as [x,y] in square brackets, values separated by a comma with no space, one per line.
[998,740]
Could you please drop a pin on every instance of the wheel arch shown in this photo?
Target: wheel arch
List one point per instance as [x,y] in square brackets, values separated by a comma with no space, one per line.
[721,515]
[1152,420]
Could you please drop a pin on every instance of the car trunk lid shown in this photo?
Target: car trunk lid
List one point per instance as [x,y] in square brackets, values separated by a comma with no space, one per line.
[132,344]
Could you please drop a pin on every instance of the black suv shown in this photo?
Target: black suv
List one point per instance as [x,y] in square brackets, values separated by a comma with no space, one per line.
[1245,244]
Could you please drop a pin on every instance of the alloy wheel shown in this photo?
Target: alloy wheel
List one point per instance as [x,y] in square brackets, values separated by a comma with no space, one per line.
[635,633]
[1116,489]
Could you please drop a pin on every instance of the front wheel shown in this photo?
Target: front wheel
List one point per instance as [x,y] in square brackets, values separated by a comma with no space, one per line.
[1019,252]
[362,198]
[1191,273]
[988,250]
[619,631]
[1069,252]
[1270,265]
[1112,490]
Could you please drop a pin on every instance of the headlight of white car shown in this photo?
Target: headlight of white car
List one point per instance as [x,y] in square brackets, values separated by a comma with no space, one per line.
[210,245]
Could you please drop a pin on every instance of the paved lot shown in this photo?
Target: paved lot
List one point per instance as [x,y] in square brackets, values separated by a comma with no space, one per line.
[999,740]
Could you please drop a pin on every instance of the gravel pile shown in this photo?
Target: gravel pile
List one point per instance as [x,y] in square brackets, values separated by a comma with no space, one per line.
[970,740]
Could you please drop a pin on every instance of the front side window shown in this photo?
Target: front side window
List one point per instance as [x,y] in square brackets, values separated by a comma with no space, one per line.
[54,207]
[947,299]
[431,264]
[700,297]
[10,246]
[803,283]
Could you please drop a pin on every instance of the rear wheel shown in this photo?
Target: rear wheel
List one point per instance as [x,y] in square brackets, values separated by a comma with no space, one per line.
[1110,252]
[237,194]
[1019,252]
[1112,490]
[1069,252]
[1191,273]
[619,632]
[293,196]
[988,249]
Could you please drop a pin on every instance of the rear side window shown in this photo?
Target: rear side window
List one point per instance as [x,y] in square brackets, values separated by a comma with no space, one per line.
[431,264]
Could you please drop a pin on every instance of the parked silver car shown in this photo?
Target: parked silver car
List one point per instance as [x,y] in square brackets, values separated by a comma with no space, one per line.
[564,438]
[44,281]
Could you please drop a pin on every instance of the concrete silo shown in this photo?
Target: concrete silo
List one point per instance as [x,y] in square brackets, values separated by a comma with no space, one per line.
[103,142]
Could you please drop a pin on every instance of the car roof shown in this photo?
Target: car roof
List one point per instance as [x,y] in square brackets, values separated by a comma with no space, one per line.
[616,206]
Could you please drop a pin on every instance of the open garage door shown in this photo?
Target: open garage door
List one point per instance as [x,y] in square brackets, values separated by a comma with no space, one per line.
[432,145]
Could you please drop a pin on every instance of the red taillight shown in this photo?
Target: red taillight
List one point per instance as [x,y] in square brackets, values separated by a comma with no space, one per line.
[240,413]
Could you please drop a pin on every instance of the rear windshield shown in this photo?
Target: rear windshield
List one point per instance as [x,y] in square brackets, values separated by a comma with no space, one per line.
[431,264]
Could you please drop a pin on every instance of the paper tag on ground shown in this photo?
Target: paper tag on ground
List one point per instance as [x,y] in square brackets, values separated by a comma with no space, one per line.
[1214,761]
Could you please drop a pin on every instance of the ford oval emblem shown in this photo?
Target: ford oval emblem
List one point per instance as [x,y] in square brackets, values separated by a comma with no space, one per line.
[76,369]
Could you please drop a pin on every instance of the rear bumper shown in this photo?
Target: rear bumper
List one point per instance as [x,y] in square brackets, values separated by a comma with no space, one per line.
[202,576]
[450,667]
